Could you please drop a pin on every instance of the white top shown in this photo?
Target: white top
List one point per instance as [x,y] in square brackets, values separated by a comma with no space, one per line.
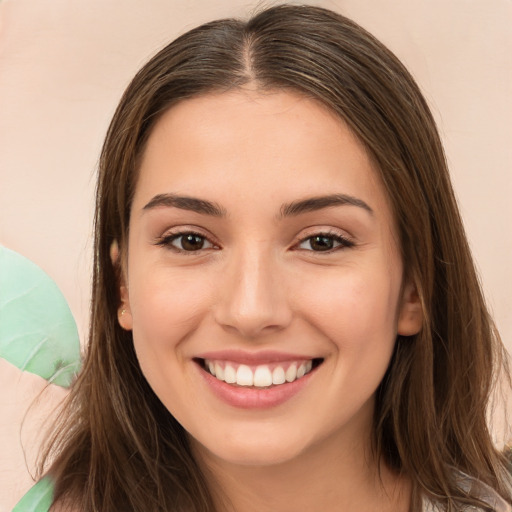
[485,493]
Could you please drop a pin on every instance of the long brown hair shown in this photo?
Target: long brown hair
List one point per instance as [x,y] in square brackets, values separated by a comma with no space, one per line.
[117,447]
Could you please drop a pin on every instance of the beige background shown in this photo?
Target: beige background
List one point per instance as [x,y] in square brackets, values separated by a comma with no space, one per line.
[65,63]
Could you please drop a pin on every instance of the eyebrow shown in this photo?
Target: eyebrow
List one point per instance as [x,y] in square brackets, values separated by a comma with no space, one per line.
[318,203]
[294,208]
[186,203]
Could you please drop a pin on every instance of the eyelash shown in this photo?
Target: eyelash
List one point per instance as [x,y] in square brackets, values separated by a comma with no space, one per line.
[344,242]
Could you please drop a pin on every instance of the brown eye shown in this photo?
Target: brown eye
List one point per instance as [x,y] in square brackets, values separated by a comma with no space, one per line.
[321,243]
[188,242]
[192,242]
[324,243]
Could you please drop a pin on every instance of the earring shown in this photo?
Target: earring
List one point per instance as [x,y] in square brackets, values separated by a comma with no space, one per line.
[123,311]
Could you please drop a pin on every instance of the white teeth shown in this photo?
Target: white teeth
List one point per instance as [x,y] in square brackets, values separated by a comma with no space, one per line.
[291,373]
[219,371]
[244,376]
[278,375]
[229,374]
[262,377]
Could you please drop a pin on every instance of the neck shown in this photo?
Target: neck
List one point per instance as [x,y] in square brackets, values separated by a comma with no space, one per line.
[346,478]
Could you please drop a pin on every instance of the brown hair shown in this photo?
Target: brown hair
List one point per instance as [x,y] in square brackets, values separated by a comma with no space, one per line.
[117,447]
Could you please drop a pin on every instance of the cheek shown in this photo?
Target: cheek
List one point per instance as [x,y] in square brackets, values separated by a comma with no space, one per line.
[352,309]
[166,310]
[166,307]
[358,317]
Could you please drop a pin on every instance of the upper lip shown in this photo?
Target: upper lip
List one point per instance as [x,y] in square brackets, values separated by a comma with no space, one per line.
[261,357]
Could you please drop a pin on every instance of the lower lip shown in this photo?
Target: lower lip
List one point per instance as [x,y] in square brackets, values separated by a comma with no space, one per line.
[253,398]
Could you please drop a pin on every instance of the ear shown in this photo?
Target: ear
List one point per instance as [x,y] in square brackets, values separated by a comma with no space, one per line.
[124,314]
[410,316]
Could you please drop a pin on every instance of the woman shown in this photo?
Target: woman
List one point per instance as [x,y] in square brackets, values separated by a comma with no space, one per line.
[285,313]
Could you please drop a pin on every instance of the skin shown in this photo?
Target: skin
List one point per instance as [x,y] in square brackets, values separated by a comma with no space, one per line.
[257,284]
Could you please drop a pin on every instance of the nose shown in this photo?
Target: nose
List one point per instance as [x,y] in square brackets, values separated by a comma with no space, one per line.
[252,298]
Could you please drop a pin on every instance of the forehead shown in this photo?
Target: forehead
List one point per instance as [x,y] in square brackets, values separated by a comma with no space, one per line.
[252,143]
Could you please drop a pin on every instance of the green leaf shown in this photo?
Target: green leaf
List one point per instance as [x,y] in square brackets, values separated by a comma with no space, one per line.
[37,499]
[37,331]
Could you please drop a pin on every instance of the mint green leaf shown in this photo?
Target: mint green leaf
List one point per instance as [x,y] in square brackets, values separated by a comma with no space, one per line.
[37,499]
[37,331]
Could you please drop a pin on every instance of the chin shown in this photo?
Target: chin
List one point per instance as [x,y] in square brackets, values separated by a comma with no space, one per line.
[250,453]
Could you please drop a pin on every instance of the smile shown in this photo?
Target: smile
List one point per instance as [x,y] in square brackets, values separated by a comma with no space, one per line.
[256,380]
[259,376]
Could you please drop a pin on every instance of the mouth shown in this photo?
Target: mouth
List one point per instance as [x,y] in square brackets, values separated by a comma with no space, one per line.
[261,376]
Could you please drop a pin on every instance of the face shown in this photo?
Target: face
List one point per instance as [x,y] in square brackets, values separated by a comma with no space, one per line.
[263,281]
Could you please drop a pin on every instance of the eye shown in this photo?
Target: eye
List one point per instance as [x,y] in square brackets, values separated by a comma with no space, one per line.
[186,242]
[324,242]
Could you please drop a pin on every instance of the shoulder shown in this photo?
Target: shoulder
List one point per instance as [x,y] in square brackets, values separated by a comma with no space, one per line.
[476,488]
[484,492]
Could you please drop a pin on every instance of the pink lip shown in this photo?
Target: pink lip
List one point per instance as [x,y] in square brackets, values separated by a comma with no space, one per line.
[252,358]
[253,398]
